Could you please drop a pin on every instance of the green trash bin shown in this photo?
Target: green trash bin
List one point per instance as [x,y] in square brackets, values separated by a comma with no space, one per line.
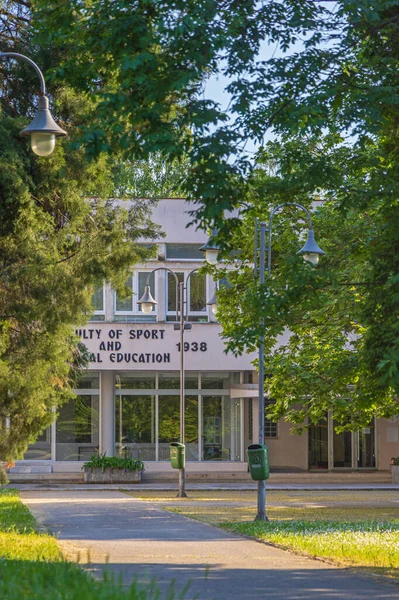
[177,455]
[258,461]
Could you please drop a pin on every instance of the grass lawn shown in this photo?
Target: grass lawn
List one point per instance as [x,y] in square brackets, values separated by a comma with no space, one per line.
[356,528]
[32,568]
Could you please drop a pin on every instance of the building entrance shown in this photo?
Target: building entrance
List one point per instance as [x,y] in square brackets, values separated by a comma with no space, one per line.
[330,450]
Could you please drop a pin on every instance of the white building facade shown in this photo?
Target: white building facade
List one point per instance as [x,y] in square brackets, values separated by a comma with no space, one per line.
[128,402]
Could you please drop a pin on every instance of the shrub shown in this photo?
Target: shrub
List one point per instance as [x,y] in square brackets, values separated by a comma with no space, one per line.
[101,461]
[3,476]
[395,461]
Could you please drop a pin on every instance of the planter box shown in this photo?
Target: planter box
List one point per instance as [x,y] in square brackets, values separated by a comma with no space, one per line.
[395,474]
[111,476]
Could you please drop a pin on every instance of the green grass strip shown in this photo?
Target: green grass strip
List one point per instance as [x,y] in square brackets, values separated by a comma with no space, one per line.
[364,543]
[32,567]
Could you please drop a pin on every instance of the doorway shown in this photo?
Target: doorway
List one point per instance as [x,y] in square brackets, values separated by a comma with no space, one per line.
[330,450]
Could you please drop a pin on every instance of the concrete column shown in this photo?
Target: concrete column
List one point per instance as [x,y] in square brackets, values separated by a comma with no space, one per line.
[107,413]
[109,303]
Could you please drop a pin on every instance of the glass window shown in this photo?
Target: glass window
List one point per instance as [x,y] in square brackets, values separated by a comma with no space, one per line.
[220,428]
[169,424]
[318,445]
[89,381]
[41,449]
[215,381]
[135,426]
[97,299]
[197,293]
[141,381]
[172,290]
[169,381]
[77,428]
[126,304]
[147,416]
[184,251]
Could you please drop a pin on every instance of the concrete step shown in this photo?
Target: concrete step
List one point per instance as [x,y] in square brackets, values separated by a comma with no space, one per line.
[45,477]
[31,469]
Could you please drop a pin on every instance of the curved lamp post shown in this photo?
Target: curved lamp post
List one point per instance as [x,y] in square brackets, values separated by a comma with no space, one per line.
[147,305]
[311,252]
[43,130]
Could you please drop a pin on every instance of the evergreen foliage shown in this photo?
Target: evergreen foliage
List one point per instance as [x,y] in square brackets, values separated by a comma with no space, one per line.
[60,235]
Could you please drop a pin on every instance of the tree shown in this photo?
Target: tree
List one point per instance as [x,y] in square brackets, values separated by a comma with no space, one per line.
[153,178]
[60,235]
[334,70]
[340,316]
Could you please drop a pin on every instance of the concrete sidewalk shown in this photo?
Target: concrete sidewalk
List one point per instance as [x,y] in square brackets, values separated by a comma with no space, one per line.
[139,540]
[252,486]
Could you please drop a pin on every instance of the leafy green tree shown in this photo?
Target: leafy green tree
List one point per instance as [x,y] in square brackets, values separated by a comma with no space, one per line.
[153,178]
[340,316]
[333,69]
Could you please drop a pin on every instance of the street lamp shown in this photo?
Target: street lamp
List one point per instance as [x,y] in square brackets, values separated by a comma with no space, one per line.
[43,130]
[211,248]
[147,305]
[311,252]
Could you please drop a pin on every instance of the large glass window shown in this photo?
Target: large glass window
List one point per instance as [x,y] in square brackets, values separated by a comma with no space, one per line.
[148,416]
[77,426]
[220,428]
[135,426]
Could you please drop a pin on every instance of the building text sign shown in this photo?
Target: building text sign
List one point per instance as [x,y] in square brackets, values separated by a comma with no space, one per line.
[149,346]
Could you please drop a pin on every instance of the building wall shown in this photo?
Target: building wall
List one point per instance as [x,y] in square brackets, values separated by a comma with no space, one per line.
[387,442]
[116,346]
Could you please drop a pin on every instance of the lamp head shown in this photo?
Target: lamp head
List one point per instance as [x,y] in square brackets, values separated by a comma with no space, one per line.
[213,303]
[211,248]
[43,130]
[311,251]
[147,301]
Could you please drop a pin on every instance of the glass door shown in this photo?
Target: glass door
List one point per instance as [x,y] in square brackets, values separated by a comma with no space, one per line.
[366,447]
[318,446]
[342,448]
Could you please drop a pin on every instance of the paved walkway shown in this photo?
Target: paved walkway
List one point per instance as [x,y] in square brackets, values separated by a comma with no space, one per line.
[141,541]
[252,486]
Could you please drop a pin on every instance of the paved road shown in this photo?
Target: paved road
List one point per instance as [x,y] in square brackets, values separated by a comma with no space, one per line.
[141,541]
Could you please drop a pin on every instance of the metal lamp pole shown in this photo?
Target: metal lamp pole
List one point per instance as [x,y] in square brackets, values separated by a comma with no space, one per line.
[311,253]
[148,302]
